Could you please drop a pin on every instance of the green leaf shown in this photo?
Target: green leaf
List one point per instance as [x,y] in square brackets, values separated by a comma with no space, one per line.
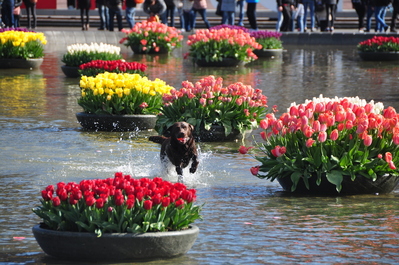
[335,177]
[295,177]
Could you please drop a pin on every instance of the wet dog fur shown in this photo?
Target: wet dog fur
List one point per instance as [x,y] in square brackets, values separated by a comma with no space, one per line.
[179,148]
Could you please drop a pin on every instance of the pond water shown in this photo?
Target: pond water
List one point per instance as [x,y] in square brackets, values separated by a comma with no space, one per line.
[245,220]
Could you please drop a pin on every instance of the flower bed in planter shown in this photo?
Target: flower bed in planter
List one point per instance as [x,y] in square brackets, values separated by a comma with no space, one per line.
[329,140]
[20,48]
[237,107]
[118,218]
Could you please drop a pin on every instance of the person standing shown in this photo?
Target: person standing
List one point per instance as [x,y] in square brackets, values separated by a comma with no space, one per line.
[331,7]
[286,7]
[251,14]
[395,12]
[309,5]
[84,7]
[7,13]
[154,7]
[240,5]
[103,12]
[115,10]
[169,13]
[130,12]
[30,7]
[200,6]
[228,8]
[360,8]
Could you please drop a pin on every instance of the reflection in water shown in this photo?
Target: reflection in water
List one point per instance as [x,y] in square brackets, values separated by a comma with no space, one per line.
[246,220]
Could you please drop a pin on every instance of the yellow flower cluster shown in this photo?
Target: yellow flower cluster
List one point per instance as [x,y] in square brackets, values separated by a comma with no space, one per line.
[122,85]
[20,38]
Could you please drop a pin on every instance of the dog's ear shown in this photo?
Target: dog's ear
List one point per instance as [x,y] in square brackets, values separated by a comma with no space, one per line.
[168,132]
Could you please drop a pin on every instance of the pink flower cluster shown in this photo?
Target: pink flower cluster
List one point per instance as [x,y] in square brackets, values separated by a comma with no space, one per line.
[120,190]
[233,36]
[210,89]
[334,120]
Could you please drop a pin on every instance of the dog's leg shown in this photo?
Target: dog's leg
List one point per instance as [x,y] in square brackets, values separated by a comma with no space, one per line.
[179,172]
[194,165]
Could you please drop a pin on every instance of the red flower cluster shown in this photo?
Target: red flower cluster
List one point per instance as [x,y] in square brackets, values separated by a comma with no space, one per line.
[380,40]
[121,190]
[113,66]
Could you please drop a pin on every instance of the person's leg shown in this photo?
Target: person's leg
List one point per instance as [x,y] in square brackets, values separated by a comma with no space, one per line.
[130,12]
[102,18]
[240,5]
[305,14]
[333,9]
[286,18]
[172,16]
[202,12]
[87,18]
[393,20]
[279,20]
[119,18]
[370,13]
[312,15]
[251,14]
[28,14]
[194,17]
[224,18]
[82,19]
[181,18]
[111,18]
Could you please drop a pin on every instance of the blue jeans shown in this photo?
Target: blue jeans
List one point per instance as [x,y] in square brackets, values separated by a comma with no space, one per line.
[228,17]
[309,4]
[279,20]
[202,13]
[240,5]
[130,11]
[104,16]
[188,20]
[7,13]
[169,12]
[115,11]
[379,12]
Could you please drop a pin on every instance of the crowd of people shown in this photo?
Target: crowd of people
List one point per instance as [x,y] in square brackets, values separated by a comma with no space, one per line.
[293,15]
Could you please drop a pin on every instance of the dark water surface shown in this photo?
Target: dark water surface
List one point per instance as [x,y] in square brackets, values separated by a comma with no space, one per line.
[245,220]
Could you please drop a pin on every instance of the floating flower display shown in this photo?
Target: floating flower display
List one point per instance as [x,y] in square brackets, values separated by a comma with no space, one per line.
[379,44]
[207,102]
[329,141]
[268,39]
[17,43]
[214,45]
[152,37]
[118,205]
[81,53]
[119,94]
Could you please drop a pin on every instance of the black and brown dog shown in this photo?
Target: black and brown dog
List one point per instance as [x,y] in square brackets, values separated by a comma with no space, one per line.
[179,148]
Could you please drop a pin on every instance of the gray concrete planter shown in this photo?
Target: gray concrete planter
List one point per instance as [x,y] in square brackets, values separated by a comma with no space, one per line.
[116,123]
[21,63]
[70,71]
[361,185]
[216,134]
[115,247]
[269,53]
[225,62]
[379,56]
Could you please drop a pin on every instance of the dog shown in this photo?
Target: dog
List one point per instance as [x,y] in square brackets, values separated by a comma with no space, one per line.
[179,148]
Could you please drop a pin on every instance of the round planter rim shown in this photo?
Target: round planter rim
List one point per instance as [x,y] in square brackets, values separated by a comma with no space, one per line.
[115,115]
[192,229]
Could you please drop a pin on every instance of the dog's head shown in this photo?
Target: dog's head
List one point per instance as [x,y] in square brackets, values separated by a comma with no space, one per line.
[181,132]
